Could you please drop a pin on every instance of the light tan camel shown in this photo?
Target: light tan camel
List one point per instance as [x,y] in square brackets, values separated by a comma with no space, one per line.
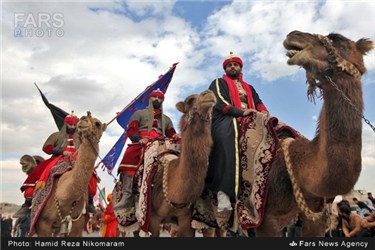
[29,163]
[184,179]
[70,193]
[330,163]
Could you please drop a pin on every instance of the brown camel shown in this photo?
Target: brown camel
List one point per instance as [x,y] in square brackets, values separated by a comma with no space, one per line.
[29,163]
[184,176]
[69,195]
[330,163]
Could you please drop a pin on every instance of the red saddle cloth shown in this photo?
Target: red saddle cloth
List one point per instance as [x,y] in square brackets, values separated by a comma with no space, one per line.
[139,217]
[42,195]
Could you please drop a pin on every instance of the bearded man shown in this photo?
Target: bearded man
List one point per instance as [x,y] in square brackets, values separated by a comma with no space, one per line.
[145,124]
[235,100]
[63,143]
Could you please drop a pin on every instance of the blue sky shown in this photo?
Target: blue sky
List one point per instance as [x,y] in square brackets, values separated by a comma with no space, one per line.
[99,55]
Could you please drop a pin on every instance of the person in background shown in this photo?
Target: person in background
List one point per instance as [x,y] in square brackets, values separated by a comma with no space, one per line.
[6,226]
[369,195]
[369,223]
[109,220]
[235,100]
[343,201]
[29,165]
[295,230]
[351,223]
[364,210]
[23,226]
[369,201]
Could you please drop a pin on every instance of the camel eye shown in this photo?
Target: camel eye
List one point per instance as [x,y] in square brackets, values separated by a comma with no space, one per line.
[98,124]
[190,101]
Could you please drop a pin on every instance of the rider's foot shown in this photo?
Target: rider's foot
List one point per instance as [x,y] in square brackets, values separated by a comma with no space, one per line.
[223,202]
[22,212]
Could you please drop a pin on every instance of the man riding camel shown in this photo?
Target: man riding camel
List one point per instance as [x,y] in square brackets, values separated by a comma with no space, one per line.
[145,124]
[63,143]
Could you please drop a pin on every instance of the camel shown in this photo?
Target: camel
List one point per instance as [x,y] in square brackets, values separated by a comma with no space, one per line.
[181,182]
[70,193]
[330,163]
[29,163]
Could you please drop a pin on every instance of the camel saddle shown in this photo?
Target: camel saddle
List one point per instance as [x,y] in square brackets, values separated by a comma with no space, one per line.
[259,142]
[138,217]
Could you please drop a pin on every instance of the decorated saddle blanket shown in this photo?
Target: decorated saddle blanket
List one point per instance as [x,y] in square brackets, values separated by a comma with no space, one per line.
[259,141]
[42,195]
[139,217]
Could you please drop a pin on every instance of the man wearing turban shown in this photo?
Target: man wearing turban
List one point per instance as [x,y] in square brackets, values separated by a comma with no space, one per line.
[61,143]
[144,125]
[235,100]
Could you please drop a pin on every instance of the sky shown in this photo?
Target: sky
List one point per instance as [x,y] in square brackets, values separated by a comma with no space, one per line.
[99,55]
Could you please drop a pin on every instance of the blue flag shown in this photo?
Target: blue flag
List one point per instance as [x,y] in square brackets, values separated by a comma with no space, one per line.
[123,117]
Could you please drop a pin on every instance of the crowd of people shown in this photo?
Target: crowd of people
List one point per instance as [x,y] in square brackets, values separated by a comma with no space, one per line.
[356,220]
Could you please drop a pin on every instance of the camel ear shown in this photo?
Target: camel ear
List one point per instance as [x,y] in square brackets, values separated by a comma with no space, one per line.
[180,107]
[364,45]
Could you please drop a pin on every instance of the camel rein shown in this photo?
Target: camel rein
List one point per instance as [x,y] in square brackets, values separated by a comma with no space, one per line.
[350,102]
[298,195]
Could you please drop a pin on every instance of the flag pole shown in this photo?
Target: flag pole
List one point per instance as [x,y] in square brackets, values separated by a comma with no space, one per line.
[104,198]
[112,120]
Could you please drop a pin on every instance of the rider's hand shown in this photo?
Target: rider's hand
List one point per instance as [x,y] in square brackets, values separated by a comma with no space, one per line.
[143,141]
[176,137]
[247,112]
[67,153]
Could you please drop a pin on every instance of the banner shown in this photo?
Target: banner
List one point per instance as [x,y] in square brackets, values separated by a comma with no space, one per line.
[123,117]
[57,113]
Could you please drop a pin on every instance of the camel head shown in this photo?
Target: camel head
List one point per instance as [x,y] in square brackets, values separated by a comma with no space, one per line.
[197,108]
[90,127]
[28,163]
[323,56]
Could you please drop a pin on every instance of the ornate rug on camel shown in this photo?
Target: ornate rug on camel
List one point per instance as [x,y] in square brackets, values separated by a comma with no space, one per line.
[258,145]
[139,216]
[42,195]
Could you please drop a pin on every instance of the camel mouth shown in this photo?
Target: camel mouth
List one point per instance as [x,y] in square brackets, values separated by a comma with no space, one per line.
[209,101]
[291,53]
[293,48]
[82,127]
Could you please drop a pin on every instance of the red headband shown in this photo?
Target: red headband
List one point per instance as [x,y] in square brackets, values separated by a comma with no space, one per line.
[157,92]
[232,58]
[71,119]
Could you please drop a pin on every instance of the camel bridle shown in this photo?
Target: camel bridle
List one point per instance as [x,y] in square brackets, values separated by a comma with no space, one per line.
[336,61]
[194,111]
